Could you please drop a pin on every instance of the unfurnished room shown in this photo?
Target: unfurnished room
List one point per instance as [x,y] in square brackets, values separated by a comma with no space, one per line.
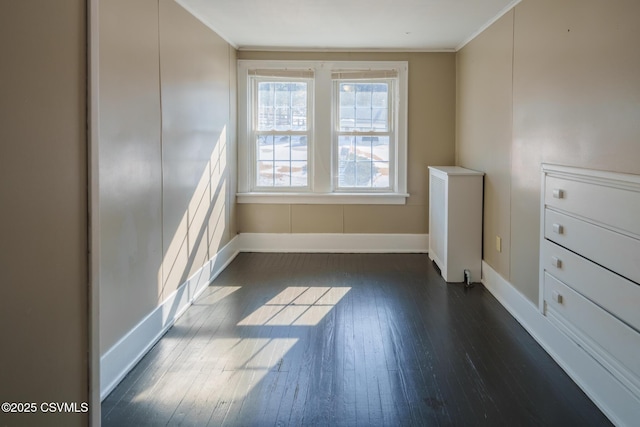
[320,213]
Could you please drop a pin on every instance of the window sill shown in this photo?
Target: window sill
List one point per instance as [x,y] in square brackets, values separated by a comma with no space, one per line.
[324,198]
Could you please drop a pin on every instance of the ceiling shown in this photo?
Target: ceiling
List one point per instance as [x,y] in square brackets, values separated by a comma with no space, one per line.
[420,25]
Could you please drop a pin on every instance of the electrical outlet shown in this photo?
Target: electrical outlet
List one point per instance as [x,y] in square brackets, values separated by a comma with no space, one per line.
[498,243]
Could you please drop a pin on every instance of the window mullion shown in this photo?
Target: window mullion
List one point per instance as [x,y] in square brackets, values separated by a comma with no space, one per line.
[323,126]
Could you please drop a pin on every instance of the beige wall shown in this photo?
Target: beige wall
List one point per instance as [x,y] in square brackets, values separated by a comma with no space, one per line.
[431,134]
[576,101]
[129,170]
[167,155]
[43,208]
[483,130]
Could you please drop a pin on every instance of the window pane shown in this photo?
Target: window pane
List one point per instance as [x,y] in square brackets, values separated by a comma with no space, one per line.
[282,161]
[363,161]
[283,95]
[346,173]
[355,161]
[299,106]
[363,147]
[282,148]
[380,96]
[364,106]
[363,95]
[381,174]
[347,118]
[283,118]
[363,173]
[283,174]
[290,174]
[347,95]
[379,120]
[298,174]
[265,147]
[346,156]
[346,147]
[299,97]
[265,174]
[282,106]
[380,148]
[265,105]
[363,119]
[299,148]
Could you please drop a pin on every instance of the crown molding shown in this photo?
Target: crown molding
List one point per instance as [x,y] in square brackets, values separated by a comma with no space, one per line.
[340,50]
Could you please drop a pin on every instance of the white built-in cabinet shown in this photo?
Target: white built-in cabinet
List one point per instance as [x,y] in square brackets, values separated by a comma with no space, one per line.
[455,222]
[590,265]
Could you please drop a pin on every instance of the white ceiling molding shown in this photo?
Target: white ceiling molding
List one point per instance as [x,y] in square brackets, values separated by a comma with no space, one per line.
[338,50]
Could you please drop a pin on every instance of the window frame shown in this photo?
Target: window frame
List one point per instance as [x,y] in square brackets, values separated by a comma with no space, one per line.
[323,141]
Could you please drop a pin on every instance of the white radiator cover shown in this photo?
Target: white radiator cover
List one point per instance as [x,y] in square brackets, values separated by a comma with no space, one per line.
[455,221]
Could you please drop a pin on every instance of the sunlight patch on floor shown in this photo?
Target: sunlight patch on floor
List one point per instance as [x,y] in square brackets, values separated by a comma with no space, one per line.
[296,306]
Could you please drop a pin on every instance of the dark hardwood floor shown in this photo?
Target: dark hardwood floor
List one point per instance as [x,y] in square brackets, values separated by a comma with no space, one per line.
[346,340]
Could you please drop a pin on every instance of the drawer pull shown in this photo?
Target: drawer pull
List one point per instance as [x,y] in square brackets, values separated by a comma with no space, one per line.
[558,193]
[557,297]
[556,262]
[558,228]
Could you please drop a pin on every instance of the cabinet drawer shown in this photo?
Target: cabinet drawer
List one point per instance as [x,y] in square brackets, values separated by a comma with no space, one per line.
[614,293]
[616,207]
[611,342]
[612,250]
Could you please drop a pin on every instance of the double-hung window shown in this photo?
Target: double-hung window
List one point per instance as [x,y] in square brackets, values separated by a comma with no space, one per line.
[281,123]
[364,131]
[322,132]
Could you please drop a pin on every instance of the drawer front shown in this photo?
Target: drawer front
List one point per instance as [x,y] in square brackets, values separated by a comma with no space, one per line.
[610,341]
[616,207]
[614,251]
[619,296]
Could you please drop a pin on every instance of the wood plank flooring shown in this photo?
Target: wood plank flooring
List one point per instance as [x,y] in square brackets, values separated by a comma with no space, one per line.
[346,340]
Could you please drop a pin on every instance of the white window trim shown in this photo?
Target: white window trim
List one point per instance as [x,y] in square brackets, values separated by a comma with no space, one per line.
[321,156]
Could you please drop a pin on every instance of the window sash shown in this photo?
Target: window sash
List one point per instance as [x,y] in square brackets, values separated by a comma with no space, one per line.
[342,168]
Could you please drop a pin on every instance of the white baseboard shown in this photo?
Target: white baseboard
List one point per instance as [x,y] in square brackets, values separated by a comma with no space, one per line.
[333,242]
[127,352]
[616,401]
